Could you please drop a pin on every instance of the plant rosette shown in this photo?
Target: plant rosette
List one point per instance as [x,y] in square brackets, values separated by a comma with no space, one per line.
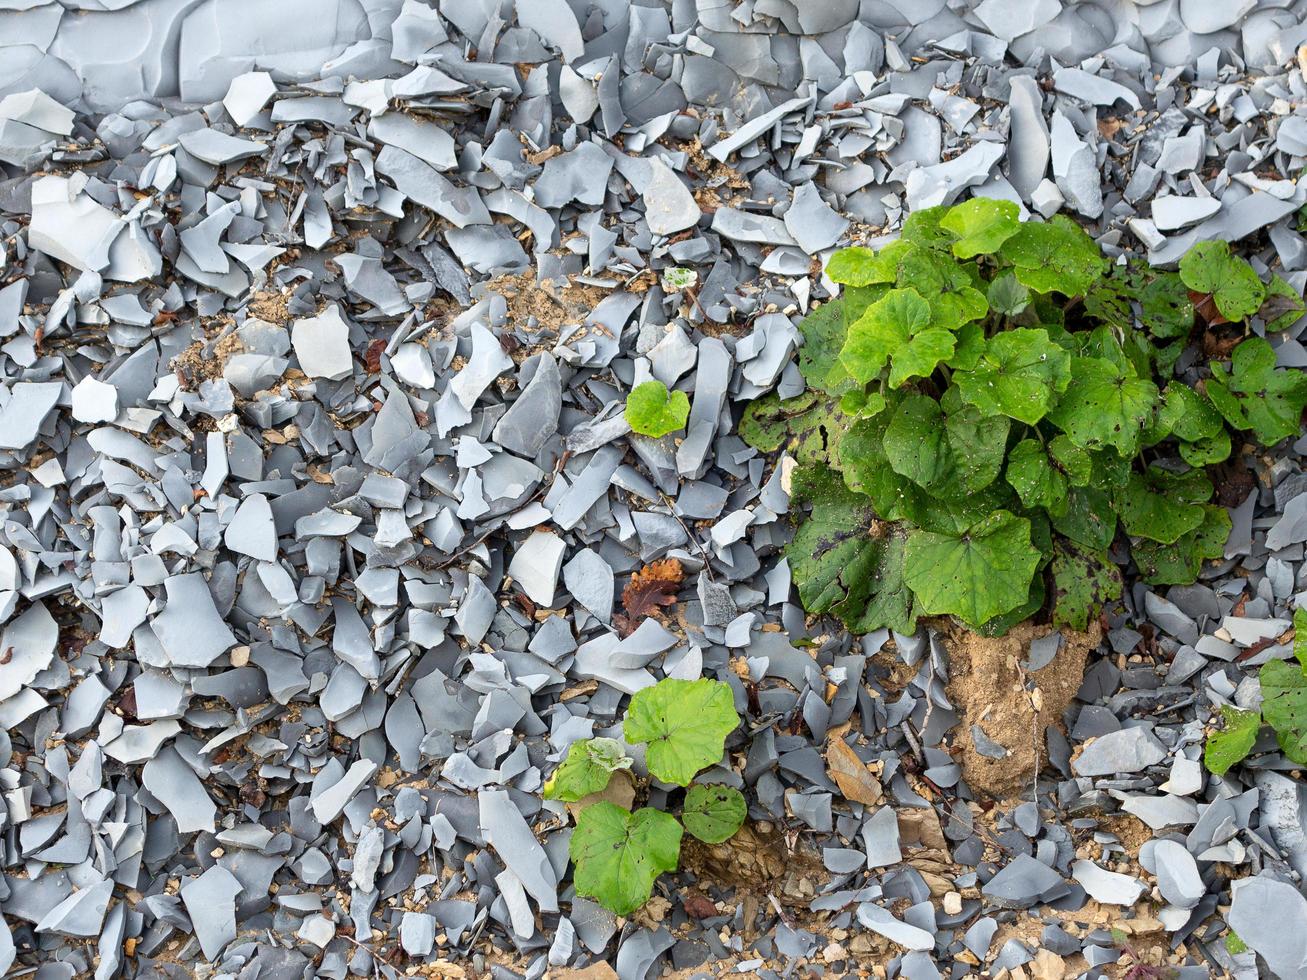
[619,853]
[993,421]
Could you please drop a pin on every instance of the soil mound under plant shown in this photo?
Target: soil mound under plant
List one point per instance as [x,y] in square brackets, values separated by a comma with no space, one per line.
[991,687]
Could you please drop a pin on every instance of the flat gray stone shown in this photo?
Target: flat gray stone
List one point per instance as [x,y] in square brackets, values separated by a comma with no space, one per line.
[1127,750]
[322,345]
[669,206]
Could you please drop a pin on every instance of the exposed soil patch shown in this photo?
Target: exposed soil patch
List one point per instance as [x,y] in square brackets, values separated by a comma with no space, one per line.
[757,859]
[551,306]
[989,687]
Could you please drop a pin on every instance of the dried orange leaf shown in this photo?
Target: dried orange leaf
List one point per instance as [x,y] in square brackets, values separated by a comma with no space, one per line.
[851,774]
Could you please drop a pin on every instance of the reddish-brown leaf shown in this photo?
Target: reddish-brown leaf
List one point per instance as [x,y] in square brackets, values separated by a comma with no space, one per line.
[698,906]
[1205,307]
[372,356]
[650,588]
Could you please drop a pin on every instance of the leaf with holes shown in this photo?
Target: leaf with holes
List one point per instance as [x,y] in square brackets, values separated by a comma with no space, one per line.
[685,724]
[1254,394]
[713,813]
[619,855]
[1020,374]
[1233,742]
[1284,705]
[1180,563]
[1103,406]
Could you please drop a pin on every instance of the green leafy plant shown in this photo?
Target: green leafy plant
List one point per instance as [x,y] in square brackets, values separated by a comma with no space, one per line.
[1284,708]
[618,853]
[652,410]
[993,421]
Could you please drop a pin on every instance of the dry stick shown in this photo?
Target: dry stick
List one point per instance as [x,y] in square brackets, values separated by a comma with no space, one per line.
[707,561]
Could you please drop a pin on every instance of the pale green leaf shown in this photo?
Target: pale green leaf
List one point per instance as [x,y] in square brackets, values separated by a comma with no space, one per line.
[1284,704]
[1233,742]
[589,764]
[1007,295]
[653,411]
[1054,255]
[685,724]
[981,225]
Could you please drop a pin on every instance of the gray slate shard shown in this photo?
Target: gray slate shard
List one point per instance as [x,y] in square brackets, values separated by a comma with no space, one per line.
[189,629]
[1177,873]
[1127,750]
[81,914]
[1029,144]
[533,417]
[322,345]
[880,837]
[1108,887]
[31,640]
[174,784]
[1024,882]
[882,922]
[1260,908]
[669,205]
[22,415]
[210,902]
[507,832]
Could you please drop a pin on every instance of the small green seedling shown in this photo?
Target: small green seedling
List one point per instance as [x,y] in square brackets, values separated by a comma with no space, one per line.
[654,411]
[1284,708]
[993,421]
[619,854]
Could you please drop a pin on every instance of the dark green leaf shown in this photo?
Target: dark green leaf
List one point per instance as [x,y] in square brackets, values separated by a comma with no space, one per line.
[1284,704]
[1036,480]
[809,426]
[1180,563]
[1147,513]
[977,575]
[1209,267]
[1102,406]
[945,447]
[1089,520]
[1007,296]
[1256,395]
[1083,581]
[819,358]
[1283,306]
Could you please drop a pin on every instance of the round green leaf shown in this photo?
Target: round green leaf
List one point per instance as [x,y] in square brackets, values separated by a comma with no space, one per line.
[1054,255]
[982,225]
[653,411]
[685,724]
[589,764]
[1233,743]
[1020,375]
[945,447]
[1082,583]
[858,266]
[977,575]
[819,358]
[886,329]
[619,855]
[1284,703]
[1037,482]
[1256,395]
[1209,267]
[1158,516]
[1102,406]
[1180,562]
[713,813]
[1007,296]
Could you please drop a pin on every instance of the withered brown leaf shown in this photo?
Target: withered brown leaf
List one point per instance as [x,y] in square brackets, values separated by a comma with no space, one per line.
[851,774]
[650,588]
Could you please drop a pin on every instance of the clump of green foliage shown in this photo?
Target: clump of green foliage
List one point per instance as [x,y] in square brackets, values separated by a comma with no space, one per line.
[619,854]
[989,401]
[1284,708]
[652,410]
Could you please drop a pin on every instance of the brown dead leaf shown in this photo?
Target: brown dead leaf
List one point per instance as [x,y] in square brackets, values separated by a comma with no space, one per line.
[650,588]
[698,906]
[851,774]
[620,791]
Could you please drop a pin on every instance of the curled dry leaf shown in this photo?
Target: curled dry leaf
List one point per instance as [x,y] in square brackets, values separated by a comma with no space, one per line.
[851,774]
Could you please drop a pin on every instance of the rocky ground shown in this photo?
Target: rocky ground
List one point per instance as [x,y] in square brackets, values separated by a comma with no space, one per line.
[316,324]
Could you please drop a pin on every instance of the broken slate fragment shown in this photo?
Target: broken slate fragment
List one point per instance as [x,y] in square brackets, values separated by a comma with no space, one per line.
[210,902]
[81,913]
[1127,750]
[252,530]
[174,784]
[1024,882]
[1261,908]
[22,415]
[1105,886]
[30,641]
[189,628]
[533,417]
[668,205]
[509,835]
[322,345]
